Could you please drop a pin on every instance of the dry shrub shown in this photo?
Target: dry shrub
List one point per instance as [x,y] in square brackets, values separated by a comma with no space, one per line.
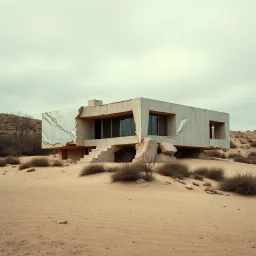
[40,162]
[128,172]
[241,183]
[2,162]
[213,173]
[198,177]
[232,155]
[57,163]
[201,171]
[174,169]
[148,169]
[12,160]
[207,184]
[232,144]
[253,144]
[92,169]
[252,155]
[25,165]
[242,159]
[216,154]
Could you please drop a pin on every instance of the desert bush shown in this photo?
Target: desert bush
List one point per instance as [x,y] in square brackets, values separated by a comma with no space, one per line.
[242,159]
[25,165]
[201,171]
[241,183]
[198,177]
[92,169]
[127,172]
[215,173]
[232,144]
[12,160]
[40,162]
[174,169]
[207,184]
[216,154]
[147,168]
[253,144]
[2,162]
[57,163]
[252,155]
[232,155]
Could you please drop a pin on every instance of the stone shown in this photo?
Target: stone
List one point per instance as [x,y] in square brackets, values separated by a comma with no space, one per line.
[168,148]
[164,158]
[31,170]
[166,183]
[146,151]
[182,182]
[189,186]
[139,181]
[65,164]
[219,193]
[196,183]
[210,190]
[63,222]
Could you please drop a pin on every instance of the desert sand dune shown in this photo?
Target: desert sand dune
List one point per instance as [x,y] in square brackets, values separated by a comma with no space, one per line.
[107,218]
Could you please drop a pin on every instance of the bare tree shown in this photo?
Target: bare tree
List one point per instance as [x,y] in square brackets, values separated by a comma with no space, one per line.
[21,125]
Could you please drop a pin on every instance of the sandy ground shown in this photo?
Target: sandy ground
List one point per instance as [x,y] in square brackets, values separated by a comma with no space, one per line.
[121,219]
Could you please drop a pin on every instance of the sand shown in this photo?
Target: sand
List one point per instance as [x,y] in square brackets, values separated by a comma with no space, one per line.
[121,219]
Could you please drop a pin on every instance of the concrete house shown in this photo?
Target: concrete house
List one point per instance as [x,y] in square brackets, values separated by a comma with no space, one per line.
[95,133]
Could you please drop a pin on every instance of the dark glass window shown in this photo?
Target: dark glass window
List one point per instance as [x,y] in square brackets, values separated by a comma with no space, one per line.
[115,127]
[97,128]
[162,125]
[133,130]
[107,128]
[153,124]
[125,126]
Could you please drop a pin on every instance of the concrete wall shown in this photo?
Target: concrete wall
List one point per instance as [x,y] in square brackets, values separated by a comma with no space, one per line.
[194,132]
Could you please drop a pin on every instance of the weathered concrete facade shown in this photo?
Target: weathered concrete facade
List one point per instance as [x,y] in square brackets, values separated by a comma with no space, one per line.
[96,125]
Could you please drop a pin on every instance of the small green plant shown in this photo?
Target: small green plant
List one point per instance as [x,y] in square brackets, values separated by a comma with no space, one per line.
[174,169]
[241,183]
[92,169]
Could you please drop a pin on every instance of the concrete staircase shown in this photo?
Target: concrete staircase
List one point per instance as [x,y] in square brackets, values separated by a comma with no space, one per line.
[99,155]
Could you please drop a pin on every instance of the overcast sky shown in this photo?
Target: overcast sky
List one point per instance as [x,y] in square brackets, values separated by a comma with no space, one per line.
[57,54]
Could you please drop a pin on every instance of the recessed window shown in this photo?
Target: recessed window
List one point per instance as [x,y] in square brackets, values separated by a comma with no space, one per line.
[114,127]
[157,125]
[217,130]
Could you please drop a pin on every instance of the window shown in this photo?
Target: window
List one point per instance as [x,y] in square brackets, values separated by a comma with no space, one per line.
[157,125]
[217,130]
[115,127]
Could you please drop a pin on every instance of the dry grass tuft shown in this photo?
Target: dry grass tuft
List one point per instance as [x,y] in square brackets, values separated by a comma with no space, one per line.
[253,144]
[92,169]
[128,172]
[25,165]
[198,177]
[12,160]
[213,173]
[241,183]
[242,159]
[174,169]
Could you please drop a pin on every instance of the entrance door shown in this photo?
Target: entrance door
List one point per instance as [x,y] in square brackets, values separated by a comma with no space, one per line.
[97,129]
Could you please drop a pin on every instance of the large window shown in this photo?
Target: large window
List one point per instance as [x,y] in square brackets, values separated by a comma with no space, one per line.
[157,125]
[115,127]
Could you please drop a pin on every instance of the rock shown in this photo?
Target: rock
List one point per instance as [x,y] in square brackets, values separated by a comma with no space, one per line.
[63,222]
[196,183]
[65,164]
[177,179]
[146,151]
[210,190]
[219,193]
[164,158]
[189,186]
[166,183]
[139,181]
[182,182]
[31,170]
[4,173]
[168,148]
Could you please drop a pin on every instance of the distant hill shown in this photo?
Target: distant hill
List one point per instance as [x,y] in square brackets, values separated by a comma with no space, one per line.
[7,129]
